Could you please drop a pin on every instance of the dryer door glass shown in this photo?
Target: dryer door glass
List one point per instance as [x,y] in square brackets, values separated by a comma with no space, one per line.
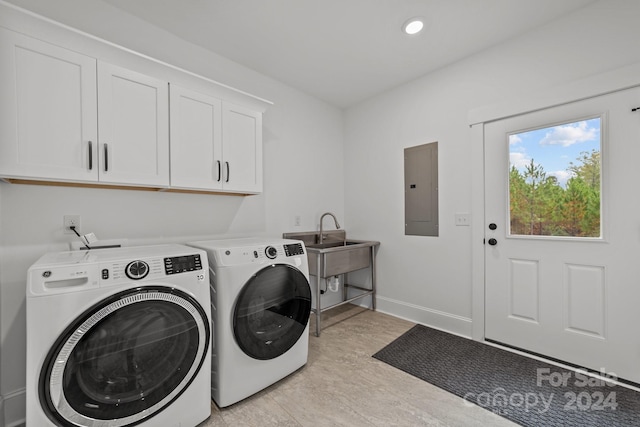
[126,358]
[272,311]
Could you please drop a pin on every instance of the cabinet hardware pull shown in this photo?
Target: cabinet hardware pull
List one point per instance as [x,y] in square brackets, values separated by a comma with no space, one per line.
[106,158]
[219,171]
[90,155]
[227,180]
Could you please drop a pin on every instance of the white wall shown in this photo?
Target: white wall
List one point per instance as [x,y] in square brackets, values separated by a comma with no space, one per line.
[428,279]
[303,163]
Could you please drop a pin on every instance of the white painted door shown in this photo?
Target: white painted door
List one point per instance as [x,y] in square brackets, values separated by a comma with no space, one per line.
[47,111]
[576,299]
[242,149]
[196,140]
[133,117]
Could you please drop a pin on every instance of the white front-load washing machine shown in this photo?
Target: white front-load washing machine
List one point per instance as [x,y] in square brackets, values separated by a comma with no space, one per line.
[119,337]
[260,306]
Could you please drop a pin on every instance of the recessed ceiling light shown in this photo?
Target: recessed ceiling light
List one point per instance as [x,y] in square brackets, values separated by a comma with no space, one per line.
[413,26]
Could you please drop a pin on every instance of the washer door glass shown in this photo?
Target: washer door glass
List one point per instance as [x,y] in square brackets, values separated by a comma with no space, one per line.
[272,311]
[125,359]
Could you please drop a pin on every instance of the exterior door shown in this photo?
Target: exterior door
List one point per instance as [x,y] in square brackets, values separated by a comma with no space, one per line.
[563,280]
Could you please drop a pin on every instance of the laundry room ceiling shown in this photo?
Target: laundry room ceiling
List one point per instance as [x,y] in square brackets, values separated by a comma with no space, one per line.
[345,51]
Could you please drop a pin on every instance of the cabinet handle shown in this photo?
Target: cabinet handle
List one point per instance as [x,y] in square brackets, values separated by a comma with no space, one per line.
[219,171]
[106,158]
[90,155]
[227,180]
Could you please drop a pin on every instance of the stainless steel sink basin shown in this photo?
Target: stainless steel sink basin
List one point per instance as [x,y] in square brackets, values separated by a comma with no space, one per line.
[336,254]
[328,245]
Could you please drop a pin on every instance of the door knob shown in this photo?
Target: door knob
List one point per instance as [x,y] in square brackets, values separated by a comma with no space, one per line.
[492,242]
[492,226]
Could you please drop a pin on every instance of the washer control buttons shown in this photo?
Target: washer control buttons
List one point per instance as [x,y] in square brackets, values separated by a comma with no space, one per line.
[271,252]
[137,270]
[105,273]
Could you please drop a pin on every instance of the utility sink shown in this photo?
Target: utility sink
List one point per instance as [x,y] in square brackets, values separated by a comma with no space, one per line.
[336,254]
[332,254]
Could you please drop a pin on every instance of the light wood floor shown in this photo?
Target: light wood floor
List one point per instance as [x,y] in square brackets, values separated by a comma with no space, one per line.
[342,385]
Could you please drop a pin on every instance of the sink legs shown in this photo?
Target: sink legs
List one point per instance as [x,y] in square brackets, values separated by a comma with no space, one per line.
[317,310]
[318,293]
[373,278]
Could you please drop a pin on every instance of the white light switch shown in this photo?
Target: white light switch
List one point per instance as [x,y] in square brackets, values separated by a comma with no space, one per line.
[463,219]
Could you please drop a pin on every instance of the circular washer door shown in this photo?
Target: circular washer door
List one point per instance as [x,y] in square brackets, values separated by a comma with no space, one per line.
[125,359]
[272,311]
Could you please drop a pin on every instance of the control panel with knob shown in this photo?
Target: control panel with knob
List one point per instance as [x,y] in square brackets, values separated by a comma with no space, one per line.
[137,270]
[271,252]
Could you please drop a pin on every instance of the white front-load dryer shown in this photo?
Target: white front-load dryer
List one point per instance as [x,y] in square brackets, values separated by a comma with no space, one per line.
[260,307]
[119,337]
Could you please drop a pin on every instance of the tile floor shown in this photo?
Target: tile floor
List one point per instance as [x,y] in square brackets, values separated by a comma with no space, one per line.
[342,385]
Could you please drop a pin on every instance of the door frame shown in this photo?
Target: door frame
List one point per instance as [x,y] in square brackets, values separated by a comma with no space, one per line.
[597,85]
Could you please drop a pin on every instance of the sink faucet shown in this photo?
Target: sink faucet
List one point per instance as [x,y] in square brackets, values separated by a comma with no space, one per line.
[334,220]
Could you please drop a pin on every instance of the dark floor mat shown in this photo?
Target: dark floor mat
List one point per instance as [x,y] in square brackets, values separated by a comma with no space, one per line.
[521,389]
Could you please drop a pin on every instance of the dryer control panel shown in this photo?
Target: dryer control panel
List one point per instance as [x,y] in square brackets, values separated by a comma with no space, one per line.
[293,249]
[180,264]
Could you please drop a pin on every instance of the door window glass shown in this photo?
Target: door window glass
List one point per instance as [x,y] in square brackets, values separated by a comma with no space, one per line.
[272,311]
[555,180]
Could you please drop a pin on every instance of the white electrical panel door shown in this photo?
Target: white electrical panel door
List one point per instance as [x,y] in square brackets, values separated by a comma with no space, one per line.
[133,114]
[47,111]
[196,140]
[242,149]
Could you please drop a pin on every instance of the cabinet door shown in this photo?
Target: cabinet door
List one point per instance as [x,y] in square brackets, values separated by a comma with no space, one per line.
[47,111]
[133,117]
[196,140]
[242,149]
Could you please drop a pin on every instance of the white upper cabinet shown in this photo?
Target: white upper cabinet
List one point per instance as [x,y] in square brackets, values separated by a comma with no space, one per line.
[53,101]
[48,117]
[133,117]
[68,117]
[214,145]
[242,149]
[196,140]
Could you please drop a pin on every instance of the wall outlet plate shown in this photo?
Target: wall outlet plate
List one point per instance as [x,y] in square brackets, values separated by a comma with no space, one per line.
[71,220]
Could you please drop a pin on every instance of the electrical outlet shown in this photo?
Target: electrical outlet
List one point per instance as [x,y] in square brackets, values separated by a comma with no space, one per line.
[71,220]
[297,221]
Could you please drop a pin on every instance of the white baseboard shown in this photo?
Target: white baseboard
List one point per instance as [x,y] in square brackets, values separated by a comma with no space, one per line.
[14,408]
[446,322]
